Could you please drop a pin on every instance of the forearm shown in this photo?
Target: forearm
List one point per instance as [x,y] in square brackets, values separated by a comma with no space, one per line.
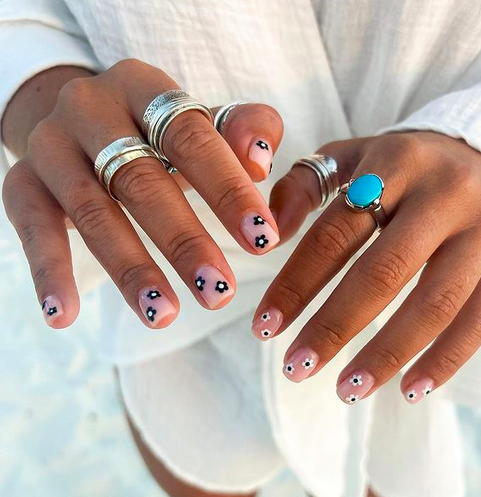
[34,101]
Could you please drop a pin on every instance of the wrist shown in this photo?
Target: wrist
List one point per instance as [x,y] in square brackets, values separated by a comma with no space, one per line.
[32,102]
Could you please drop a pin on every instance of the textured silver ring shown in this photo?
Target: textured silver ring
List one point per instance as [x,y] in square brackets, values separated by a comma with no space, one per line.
[326,170]
[161,112]
[223,113]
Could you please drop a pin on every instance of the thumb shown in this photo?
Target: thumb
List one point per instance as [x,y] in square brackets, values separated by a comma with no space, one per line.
[298,193]
[254,132]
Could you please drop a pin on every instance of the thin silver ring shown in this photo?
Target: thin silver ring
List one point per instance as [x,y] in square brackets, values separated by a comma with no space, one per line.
[326,170]
[161,112]
[223,113]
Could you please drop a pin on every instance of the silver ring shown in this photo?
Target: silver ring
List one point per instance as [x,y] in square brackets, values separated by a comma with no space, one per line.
[223,113]
[327,172]
[161,112]
[364,194]
[122,160]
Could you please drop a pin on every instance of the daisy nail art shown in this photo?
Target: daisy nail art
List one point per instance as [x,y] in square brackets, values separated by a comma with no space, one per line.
[418,390]
[260,152]
[267,324]
[155,306]
[355,387]
[213,286]
[51,308]
[259,233]
[300,364]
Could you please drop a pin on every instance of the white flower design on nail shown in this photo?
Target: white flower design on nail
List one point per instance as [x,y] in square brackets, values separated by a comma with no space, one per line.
[308,363]
[265,317]
[411,395]
[265,333]
[356,380]
[290,368]
[352,398]
[427,390]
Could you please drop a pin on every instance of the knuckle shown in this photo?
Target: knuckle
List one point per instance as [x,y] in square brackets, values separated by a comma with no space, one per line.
[233,192]
[449,361]
[185,245]
[75,91]
[129,65]
[385,359]
[45,272]
[130,275]
[384,271]
[188,138]
[330,333]
[441,305]
[90,216]
[331,240]
[289,294]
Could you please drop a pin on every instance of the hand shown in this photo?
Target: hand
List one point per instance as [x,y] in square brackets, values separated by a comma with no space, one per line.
[55,181]
[431,198]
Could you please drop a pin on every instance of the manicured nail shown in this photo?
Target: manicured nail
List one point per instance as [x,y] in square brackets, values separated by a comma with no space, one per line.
[259,233]
[266,325]
[355,387]
[155,306]
[300,364]
[418,390]
[51,308]
[213,286]
[260,152]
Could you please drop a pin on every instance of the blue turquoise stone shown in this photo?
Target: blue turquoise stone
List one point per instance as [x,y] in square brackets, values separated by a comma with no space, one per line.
[364,190]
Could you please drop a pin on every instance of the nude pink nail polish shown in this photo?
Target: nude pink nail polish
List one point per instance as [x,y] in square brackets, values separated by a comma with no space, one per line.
[51,308]
[260,152]
[213,286]
[418,390]
[259,233]
[356,386]
[155,306]
[267,324]
[300,364]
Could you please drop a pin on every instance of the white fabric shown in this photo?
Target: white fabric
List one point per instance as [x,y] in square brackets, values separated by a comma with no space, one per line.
[333,70]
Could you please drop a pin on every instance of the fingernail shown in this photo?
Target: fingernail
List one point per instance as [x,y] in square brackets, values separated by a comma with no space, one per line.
[355,387]
[213,286]
[156,307]
[259,233]
[51,308]
[418,390]
[260,152]
[300,364]
[266,325]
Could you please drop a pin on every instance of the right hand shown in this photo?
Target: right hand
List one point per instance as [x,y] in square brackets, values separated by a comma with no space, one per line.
[55,182]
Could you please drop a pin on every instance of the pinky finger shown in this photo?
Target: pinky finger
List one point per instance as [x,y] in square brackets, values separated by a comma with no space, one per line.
[40,223]
[447,354]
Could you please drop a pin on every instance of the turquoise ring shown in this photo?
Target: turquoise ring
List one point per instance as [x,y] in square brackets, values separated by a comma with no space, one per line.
[364,194]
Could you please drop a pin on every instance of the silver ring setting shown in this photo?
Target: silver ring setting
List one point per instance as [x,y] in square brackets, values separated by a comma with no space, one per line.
[161,112]
[326,170]
[364,194]
[223,113]
[118,154]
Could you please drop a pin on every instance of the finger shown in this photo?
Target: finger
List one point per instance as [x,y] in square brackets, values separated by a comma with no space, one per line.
[254,132]
[370,284]
[445,284]
[40,223]
[298,193]
[106,230]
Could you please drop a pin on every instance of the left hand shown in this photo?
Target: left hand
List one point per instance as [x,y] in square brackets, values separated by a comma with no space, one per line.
[432,201]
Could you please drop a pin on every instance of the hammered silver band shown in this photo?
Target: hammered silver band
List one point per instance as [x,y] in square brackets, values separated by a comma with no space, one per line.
[161,112]
[326,170]
[223,113]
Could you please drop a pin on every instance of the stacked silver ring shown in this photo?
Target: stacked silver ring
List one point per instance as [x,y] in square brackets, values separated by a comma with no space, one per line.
[326,169]
[118,154]
[223,113]
[161,112]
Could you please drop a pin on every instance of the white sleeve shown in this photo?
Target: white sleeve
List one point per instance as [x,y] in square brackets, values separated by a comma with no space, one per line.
[456,114]
[36,35]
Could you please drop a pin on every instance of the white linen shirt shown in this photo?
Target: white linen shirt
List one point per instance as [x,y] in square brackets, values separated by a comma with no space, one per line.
[333,70]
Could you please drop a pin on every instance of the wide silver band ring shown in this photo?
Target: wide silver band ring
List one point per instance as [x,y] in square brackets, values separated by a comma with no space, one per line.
[367,197]
[161,112]
[326,170]
[223,113]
